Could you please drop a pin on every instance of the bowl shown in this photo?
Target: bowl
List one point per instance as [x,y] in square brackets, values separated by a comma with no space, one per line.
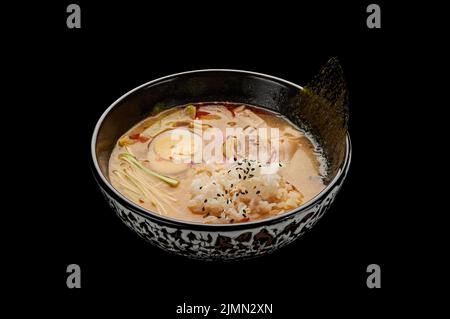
[209,241]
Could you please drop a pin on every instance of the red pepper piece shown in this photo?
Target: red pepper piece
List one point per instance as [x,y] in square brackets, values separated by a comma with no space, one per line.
[199,114]
[135,136]
[143,138]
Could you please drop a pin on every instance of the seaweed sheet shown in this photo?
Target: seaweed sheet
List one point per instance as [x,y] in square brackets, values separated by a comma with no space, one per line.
[322,108]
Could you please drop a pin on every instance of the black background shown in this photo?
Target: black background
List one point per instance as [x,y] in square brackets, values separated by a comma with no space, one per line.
[80,72]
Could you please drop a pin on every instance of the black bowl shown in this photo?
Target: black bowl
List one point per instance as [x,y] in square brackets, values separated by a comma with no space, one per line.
[208,241]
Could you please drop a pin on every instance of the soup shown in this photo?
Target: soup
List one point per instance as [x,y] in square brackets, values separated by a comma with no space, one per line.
[217,163]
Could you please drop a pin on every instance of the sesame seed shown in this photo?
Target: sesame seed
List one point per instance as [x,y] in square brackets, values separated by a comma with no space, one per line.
[205,200]
[257,192]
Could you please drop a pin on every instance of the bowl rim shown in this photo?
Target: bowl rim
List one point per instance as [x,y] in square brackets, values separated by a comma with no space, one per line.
[187,224]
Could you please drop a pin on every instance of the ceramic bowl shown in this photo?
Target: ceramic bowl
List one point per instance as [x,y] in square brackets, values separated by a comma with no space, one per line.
[207,241]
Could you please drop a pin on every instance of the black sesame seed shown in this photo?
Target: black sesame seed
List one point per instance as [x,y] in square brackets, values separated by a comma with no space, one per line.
[240,176]
[226,192]
[246,191]
[203,208]
[205,200]
[244,215]
[245,177]
[231,185]
[206,215]
[201,187]
[218,195]
[257,192]
[253,168]
[235,159]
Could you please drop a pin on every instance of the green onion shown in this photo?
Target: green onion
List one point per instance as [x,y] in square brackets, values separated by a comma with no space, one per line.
[132,160]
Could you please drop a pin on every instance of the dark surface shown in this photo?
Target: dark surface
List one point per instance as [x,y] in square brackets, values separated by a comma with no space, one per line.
[124,45]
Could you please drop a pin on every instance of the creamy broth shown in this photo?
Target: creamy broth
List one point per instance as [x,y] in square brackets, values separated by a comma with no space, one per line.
[217,163]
